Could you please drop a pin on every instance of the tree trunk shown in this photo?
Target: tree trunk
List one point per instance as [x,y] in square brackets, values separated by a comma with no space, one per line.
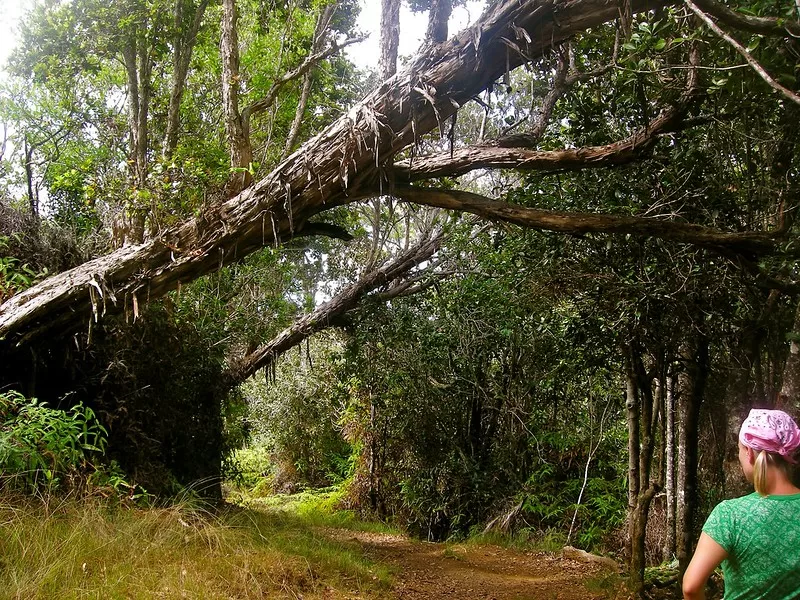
[437,20]
[789,396]
[323,22]
[138,70]
[241,152]
[632,411]
[691,389]
[338,166]
[640,403]
[183,43]
[668,550]
[33,195]
[390,37]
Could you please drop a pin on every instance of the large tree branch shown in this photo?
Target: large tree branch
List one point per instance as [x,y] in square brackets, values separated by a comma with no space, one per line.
[339,165]
[748,244]
[328,313]
[496,156]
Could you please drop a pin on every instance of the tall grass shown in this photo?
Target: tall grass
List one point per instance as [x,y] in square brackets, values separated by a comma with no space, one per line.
[88,549]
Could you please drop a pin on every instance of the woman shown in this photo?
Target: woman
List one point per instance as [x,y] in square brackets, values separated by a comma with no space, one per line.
[756,537]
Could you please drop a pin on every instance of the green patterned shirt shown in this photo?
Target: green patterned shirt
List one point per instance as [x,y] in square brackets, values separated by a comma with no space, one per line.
[762,538]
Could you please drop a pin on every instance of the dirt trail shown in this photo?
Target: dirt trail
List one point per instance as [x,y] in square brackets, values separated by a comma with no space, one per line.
[470,572]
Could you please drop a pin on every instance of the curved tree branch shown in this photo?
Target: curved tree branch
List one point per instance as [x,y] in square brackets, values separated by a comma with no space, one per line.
[497,156]
[747,244]
[513,152]
[326,314]
[264,103]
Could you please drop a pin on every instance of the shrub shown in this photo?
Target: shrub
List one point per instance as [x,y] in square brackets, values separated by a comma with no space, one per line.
[42,447]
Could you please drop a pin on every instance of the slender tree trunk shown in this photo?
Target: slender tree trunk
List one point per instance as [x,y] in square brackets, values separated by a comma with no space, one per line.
[668,550]
[33,195]
[373,457]
[390,37]
[241,153]
[438,19]
[789,395]
[634,474]
[323,22]
[692,387]
[640,430]
[138,69]
[184,42]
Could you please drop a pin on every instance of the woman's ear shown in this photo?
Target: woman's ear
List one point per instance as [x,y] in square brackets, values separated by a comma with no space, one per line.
[751,456]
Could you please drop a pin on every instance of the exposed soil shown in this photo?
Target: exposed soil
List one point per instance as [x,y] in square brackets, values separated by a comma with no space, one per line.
[472,572]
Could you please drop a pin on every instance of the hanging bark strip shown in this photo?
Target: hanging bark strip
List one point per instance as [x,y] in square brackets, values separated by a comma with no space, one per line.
[338,166]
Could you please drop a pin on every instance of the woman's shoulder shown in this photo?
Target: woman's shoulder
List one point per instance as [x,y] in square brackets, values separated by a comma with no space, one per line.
[754,503]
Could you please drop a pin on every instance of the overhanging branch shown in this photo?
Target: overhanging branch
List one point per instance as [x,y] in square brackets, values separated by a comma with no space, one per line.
[761,71]
[747,244]
[339,165]
[491,156]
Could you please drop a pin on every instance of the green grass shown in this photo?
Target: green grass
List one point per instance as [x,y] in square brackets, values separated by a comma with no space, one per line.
[315,509]
[88,549]
[524,540]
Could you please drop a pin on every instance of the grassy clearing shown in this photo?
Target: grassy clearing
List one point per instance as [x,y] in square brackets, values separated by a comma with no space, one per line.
[84,549]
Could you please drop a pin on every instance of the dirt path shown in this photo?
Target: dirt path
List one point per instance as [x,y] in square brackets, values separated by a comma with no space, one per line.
[471,572]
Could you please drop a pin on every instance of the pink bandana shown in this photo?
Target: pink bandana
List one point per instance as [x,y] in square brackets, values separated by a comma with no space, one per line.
[770,430]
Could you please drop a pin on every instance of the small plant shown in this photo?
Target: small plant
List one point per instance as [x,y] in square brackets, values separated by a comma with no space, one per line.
[14,275]
[40,447]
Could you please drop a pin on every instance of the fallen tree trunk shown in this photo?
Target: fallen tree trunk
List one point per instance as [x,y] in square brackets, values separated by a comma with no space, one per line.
[340,165]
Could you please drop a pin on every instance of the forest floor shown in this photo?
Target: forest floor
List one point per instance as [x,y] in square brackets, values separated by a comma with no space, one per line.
[425,570]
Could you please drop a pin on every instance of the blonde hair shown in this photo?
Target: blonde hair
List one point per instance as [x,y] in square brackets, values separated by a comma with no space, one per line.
[760,469]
